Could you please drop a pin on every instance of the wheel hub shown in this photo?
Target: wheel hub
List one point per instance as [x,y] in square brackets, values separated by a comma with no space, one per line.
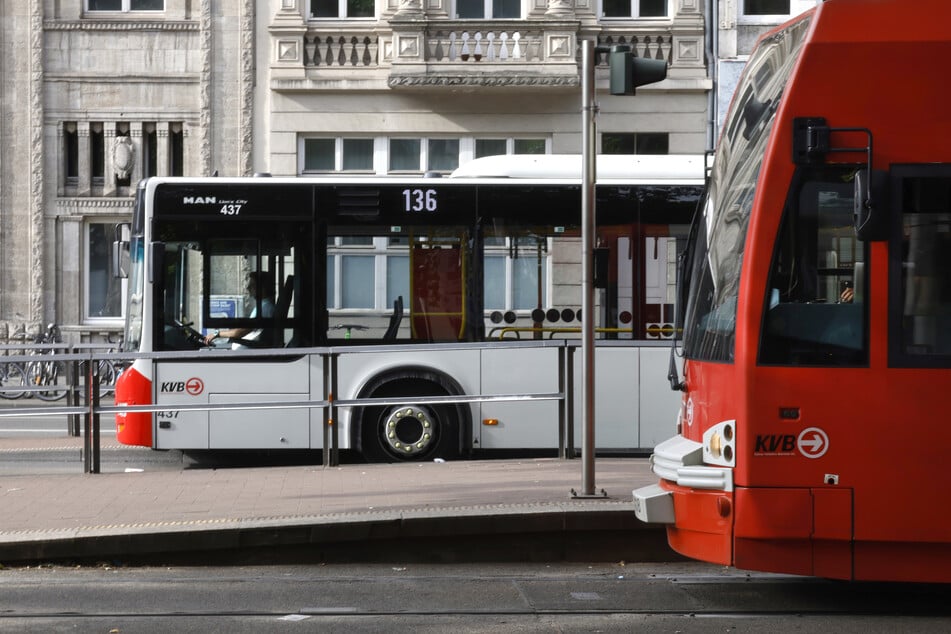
[408,430]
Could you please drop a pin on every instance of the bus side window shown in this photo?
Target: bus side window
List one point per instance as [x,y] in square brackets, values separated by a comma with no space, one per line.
[814,309]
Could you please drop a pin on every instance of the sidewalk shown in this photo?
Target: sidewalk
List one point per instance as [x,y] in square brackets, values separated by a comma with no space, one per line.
[167,511]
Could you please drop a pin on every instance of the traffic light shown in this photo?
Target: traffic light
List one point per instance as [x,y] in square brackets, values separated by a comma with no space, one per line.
[628,72]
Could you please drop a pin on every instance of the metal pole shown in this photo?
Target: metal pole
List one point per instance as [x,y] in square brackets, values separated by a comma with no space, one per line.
[589,171]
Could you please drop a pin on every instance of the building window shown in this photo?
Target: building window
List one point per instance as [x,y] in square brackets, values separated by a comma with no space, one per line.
[103,290]
[336,155]
[342,9]
[71,152]
[766,7]
[635,143]
[493,147]
[422,155]
[515,275]
[635,8]
[149,150]
[366,272]
[442,155]
[125,6]
[484,9]
[97,153]
[176,149]
[405,155]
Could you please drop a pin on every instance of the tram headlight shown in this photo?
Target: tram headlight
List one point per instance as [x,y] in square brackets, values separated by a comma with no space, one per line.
[719,444]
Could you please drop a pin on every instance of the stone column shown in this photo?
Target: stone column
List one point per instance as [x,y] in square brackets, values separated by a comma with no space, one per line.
[108,161]
[135,131]
[409,9]
[560,9]
[161,149]
[687,44]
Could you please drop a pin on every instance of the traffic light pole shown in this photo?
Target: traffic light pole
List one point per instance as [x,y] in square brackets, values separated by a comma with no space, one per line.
[627,72]
[589,111]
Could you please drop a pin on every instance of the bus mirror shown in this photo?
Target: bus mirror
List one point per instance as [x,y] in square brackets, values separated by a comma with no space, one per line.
[120,251]
[120,259]
[870,205]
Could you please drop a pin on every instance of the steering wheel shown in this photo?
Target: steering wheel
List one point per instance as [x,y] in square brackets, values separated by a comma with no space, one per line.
[191,335]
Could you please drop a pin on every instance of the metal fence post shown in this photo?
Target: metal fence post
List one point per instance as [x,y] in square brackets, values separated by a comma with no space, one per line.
[331,452]
[91,462]
[72,396]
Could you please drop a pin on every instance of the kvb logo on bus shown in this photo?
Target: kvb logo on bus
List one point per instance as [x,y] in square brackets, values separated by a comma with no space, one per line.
[193,386]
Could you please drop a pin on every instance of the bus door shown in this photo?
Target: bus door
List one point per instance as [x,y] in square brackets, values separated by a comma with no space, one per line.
[641,231]
[438,288]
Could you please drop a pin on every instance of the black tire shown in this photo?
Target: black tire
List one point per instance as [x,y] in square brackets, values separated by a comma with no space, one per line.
[49,375]
[409,431]
[12,377]
[107,377]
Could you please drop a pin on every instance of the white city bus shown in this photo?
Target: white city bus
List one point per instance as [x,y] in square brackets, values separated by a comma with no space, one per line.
[465,286]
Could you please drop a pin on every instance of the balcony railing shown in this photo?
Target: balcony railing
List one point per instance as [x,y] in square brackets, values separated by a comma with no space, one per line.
[360,50]
[522,46]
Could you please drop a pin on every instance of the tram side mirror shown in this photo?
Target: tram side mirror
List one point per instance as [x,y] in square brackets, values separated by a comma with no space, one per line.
[870,205]
[121,260]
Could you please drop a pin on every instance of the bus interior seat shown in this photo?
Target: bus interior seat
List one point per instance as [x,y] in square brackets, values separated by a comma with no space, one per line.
[395,319]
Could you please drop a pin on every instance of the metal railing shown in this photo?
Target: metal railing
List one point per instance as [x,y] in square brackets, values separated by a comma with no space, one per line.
[84,392]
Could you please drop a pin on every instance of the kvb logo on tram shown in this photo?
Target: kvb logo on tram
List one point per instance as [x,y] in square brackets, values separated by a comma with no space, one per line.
[193,386]
[811,442]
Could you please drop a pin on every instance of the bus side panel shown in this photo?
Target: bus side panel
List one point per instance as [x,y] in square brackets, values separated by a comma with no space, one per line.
[318,391]
[617,393]
[524,424]
[258,428]
[181,429]
[239,380]
[659,404]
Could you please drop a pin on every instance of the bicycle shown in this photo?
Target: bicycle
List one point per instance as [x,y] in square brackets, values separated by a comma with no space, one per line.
[12,379]
[47,373]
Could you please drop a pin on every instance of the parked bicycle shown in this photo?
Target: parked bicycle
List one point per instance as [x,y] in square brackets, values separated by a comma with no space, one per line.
[12,378]
[49,375]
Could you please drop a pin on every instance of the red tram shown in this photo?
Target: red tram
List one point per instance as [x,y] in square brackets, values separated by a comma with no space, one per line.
[817,327]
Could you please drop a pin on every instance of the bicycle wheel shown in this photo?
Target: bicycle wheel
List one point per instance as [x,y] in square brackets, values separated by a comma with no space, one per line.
[49,375]
[107,377]
[12,380]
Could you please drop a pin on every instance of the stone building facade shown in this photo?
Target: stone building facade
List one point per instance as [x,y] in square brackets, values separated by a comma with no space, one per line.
[96,94]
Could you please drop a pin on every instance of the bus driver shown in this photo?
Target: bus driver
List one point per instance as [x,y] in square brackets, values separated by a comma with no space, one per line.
[246,337]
